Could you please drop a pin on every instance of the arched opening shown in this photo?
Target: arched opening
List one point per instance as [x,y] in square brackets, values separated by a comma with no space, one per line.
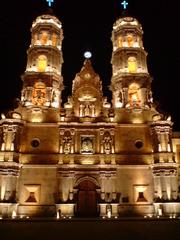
[42,63]
[87,199]
[132,65]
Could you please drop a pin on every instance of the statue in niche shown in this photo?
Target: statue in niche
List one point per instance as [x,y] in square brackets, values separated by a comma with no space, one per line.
[81,110]
[7,196]
[67,141]
[92,108]
[44,38]
[87,145]
[120,97]
[87,110]
[107,144]
[55,96]
[130,40]
[149,98]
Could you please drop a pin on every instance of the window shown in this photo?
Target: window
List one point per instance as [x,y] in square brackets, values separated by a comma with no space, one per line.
[42,63]
[132,65]
[138,144]
[35,143]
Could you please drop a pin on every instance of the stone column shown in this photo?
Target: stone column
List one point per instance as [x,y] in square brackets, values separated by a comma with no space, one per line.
[157,186]
[163,185]
[143,97]
[174,185]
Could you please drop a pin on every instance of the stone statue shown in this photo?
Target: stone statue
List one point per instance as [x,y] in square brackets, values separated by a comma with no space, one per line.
[86,110]
[107,143]
[67,144]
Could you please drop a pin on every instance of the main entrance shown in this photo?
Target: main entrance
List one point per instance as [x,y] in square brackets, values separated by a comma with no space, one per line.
[87,199]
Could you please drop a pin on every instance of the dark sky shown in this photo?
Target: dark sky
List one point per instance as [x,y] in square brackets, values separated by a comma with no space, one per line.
[87,24]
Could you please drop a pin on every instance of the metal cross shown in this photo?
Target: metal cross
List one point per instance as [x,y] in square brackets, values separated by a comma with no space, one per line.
[124,3]
[50,2]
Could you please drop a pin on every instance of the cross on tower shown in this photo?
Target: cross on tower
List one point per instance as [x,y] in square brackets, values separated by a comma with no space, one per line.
[50,2]
[124,3]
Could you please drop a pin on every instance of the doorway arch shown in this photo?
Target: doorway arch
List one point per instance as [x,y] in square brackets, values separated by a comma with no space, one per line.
[87,199]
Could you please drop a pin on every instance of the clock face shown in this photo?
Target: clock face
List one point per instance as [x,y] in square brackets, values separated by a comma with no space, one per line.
[87,75]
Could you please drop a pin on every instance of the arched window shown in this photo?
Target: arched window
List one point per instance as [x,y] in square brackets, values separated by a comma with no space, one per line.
[42,63]
[132,65]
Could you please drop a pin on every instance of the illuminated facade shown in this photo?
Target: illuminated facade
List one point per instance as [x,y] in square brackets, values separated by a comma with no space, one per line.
[88,157]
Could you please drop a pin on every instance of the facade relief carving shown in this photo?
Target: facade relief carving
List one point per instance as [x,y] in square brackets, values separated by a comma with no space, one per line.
[39,94]
[107,141]
[87,144]
[67,141]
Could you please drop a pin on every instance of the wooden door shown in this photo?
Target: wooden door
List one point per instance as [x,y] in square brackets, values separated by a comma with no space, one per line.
[87,199]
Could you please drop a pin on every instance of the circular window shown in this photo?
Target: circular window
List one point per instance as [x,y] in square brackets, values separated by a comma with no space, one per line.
[138,144]
[35,143]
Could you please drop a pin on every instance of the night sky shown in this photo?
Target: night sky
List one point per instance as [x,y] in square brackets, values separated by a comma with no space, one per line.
[87,25]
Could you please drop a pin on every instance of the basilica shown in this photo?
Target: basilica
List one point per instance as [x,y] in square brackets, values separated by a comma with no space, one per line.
[88,157]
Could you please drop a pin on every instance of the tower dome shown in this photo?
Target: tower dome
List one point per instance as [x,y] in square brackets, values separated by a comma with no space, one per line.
[47,19]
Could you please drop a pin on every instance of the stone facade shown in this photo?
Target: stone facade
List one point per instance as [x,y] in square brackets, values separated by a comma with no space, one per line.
[88,157]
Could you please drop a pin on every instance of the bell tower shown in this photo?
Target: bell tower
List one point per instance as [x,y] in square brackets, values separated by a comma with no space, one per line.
[131,82]
[42,80]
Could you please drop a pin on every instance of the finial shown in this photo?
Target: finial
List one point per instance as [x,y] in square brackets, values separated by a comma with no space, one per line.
[124,4]
[50,2]
[87,54]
